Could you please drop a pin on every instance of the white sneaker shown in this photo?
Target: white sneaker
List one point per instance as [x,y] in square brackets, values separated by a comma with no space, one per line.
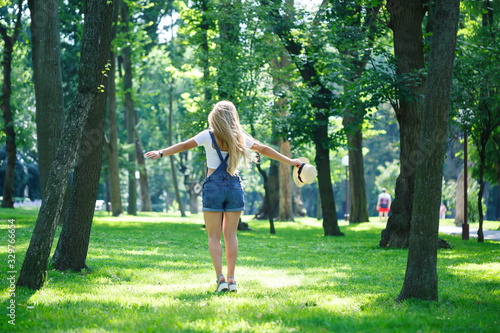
[232,285]
[221,286]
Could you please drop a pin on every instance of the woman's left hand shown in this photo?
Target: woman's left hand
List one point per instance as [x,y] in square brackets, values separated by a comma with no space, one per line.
[296,162]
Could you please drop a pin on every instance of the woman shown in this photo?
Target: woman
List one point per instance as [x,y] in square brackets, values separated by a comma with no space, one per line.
[226,144]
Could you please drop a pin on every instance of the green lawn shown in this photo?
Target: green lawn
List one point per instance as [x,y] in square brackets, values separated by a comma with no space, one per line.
[152,273]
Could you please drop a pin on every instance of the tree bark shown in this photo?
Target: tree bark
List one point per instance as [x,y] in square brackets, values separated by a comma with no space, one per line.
[406,23]
[33,272]
[72,247]
[129,109]
[46,55]
[8,117]
[111,145]
[421,272]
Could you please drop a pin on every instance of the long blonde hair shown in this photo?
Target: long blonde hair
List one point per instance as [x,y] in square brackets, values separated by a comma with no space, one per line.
[225,122]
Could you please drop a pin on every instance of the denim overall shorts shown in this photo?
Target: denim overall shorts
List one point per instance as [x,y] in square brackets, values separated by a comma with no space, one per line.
[221,191]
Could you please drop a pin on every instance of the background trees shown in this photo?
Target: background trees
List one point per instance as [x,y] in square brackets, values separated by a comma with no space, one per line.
[315,79]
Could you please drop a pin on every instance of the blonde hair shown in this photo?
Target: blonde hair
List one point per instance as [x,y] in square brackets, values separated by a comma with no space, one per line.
[225,122]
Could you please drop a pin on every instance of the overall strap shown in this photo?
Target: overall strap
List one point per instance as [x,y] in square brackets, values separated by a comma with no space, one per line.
[217,148]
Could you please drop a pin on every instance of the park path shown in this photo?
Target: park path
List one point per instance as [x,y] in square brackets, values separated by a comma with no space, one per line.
[493,235]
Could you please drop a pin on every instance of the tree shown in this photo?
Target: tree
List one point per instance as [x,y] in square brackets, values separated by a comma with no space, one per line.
[72,246]
[46,54]
[477,92]
[111,143]
[95,46]
[8,118]
[321,100]
[406,23]
[421,272]
[129,109]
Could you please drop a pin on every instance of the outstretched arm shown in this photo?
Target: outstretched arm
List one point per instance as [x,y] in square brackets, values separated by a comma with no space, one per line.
[271,153]
[177,148]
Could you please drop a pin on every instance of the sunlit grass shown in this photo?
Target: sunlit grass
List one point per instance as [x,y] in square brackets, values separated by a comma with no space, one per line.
[152,273]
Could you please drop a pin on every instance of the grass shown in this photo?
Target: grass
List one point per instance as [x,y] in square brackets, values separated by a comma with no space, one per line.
[152,273]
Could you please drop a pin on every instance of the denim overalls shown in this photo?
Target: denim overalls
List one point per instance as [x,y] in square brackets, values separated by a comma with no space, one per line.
[221,191]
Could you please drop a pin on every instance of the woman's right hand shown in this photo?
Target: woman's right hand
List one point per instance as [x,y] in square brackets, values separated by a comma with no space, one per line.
[153,154]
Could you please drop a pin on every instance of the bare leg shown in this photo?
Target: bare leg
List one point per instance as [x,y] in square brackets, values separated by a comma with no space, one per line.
[212,223]
[230,228]
[380,217]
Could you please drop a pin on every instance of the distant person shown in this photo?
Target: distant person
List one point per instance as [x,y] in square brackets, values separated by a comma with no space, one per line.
[442,211]
[384,205]
[226,144]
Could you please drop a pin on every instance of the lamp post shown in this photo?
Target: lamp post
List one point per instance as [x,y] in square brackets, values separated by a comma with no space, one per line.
[345,162]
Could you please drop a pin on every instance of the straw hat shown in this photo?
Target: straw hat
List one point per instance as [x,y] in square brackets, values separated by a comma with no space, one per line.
[306,174]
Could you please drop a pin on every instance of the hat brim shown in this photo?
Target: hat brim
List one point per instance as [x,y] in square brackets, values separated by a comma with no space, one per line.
[296,173]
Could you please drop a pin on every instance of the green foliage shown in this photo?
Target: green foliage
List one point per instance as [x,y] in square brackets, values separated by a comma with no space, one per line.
[389,172]
[449,196]
[153,273]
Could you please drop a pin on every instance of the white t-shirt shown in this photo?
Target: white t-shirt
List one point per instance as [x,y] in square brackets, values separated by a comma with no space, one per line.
[384,200]
[204,139]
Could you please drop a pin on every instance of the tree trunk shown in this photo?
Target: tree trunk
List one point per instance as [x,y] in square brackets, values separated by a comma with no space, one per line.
[406,23]
[143,175]
[8,118]
[73,244]
[111,145]
[172,160]
[330,222]
[357,188]
[267,199]
[421,272]
[459,199]
[482,162]
[285,175]
[46,55]
[33,272]
[129,109]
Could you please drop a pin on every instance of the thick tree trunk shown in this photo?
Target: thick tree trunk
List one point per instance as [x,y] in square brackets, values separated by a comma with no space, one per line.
[111,145]
[129,109]
[33,271]
[8,118]
[48,82]
[421,272]
[72,247]
[406,23]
